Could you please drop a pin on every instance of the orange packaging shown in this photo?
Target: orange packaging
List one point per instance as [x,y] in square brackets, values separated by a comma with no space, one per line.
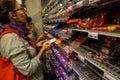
[58,41]
[72,21]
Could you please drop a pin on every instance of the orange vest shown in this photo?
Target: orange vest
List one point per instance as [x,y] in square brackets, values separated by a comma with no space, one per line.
[7,70]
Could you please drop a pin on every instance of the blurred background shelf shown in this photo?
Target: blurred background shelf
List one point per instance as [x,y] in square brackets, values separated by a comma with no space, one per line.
[106,33]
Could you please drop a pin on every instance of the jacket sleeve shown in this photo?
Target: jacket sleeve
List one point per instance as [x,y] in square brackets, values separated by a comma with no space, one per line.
[12,48]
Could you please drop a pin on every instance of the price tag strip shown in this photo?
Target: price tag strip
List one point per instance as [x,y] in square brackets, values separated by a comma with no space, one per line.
[93,35]
[93,1]
[79,4]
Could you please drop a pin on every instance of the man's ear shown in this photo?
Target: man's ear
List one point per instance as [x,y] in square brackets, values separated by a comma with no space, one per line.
[11,15]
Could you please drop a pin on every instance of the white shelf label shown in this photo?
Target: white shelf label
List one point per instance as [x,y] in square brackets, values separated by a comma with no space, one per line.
[74,6]
[70,30]
[70,8]
[108,76]
[79,4]
[81,57]
[93,35]
[93,1]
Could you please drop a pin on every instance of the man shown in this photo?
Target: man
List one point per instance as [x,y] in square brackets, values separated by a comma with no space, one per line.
[16,47]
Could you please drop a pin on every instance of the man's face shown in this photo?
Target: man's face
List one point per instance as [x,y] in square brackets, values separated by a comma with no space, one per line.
[20,16]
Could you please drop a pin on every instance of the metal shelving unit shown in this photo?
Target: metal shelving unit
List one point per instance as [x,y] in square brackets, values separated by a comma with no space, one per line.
[53,5]
[106,33]
[108,69]
[110,72]
[55,10]
[85,74]
[79,72]
[56,20]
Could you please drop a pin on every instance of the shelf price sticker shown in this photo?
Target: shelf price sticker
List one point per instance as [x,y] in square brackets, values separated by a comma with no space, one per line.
[93,1]
[108,76]
[81,57]
[70,8]
[93,35]
[70,30]
[79,4]
[74,6]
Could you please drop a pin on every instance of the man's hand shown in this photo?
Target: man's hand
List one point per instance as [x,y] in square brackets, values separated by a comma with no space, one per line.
[40,37]
[46,47]
[40,43]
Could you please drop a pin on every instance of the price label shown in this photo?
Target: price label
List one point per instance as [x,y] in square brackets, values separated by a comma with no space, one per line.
[74,6]
[81,58]
[93,1]
[93,35]
[70,8]
[70,30]
[89,54]
[79,4]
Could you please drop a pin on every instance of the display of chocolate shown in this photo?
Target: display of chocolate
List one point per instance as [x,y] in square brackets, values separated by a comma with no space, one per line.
[57,73]
[63,60]
[79,40]
[65,76]
[62,73]
[55,61]
[67,50]
[73,57]
[61,65]
[57,69]
[60,78]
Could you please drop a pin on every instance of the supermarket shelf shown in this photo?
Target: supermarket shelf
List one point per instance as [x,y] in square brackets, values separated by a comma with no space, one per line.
[56,20]
[89,74]
[66,11]
[108,69]
[84,73]
[79,72]
[66,67]
[110,2]
[51,31]
[99,6]
[54,4]
[49,26]
[95,71]
[113,34]
[111,72]
[60,47]
[75,8]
